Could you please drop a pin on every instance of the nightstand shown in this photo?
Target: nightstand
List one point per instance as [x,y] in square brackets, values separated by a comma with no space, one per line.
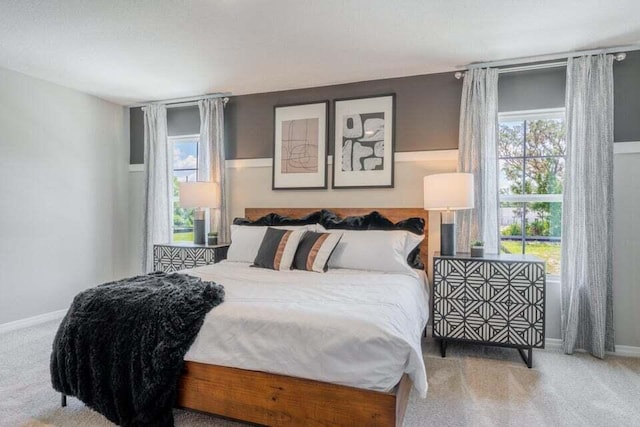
[492,300]
[179,256]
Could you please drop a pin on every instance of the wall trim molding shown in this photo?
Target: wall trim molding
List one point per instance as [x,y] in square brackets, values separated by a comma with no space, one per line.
[402,156]
[426,156]
[629,147]
[32,321]
[264,162]
[555,344]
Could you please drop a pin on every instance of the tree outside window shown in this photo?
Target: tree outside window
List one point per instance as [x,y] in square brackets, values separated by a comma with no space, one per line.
[531,150]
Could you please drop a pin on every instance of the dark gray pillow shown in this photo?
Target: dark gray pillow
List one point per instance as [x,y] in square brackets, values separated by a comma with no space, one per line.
[314,251]
[278,248]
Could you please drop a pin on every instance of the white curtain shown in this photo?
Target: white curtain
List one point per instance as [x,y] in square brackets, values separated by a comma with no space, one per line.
[587,234]
[478,154]
[211,160]
[158,189]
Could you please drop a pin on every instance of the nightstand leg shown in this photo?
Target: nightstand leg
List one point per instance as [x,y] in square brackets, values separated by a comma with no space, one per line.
[443,348]
[527,359]
[63,400]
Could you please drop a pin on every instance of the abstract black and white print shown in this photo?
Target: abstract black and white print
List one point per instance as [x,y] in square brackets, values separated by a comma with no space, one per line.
[363,142]
[299,146]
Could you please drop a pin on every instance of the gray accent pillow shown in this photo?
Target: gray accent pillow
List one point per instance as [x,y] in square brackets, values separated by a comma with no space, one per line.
[278,248]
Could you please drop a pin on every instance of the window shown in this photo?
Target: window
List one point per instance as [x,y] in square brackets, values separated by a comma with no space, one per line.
[531,149]
[185,169]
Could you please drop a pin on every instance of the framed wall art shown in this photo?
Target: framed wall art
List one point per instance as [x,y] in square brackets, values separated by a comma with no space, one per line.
[364,142]
[300,144]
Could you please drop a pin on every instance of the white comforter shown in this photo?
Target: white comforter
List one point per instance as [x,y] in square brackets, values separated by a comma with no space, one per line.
[349,327]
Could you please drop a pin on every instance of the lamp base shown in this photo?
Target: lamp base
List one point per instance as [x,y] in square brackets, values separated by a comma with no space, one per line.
[448,239]
[199,231]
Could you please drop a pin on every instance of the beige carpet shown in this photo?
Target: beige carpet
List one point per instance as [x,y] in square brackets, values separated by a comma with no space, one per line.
[472,386]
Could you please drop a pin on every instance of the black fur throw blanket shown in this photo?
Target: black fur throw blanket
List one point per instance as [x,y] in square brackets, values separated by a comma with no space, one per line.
[120,347]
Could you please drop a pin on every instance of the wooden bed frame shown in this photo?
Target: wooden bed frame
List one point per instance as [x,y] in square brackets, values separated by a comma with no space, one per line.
[278,400]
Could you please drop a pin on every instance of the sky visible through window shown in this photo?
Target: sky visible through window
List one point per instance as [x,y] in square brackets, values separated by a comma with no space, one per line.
[185,159]
[185,169]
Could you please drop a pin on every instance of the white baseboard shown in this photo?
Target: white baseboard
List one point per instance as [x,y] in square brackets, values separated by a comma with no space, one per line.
[555,344]
[32,321]
[627,350]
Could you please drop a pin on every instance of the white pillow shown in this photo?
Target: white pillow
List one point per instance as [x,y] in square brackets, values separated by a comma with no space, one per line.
[412,242]
[375,250]
[246,240]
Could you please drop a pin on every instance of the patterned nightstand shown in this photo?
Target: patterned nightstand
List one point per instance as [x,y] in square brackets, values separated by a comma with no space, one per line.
[493,300]
[179,256]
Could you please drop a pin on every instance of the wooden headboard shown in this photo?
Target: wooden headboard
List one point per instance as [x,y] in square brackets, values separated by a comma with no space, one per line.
[394,214]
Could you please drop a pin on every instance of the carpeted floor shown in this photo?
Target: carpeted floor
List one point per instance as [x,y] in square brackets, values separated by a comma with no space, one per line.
[472,386]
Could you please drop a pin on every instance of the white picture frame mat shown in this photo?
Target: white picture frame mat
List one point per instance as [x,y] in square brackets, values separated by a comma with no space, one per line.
[301,112]
[362,106]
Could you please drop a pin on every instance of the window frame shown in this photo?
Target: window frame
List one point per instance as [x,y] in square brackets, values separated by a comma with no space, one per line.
[171,140]
[530,115]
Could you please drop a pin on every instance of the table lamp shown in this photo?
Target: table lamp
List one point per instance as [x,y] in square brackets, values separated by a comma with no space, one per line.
[448,192]
[199,195]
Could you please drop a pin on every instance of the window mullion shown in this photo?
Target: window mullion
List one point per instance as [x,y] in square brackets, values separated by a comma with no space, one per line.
[544,226]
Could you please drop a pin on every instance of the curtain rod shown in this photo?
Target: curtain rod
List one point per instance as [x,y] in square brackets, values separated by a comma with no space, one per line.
[617,51]
[182,102]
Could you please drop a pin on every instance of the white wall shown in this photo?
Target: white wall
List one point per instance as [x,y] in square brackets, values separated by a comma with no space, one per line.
[63,194]
[626,248]
[251,187]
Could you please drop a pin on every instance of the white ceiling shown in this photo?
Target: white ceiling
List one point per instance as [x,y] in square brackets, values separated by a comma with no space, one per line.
[135,50]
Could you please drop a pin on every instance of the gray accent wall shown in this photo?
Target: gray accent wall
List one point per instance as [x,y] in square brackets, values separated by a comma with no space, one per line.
[180,121]
[529,90]
[183,120]
[427,113]
[427,108]
[546,89]
[136,136]
[626,86]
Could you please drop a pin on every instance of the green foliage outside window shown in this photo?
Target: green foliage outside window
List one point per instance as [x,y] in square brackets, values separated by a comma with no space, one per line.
[540,173]
[532,163]
[182,218]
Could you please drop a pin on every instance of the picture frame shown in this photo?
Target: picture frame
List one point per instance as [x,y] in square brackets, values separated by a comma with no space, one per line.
[364,142]
[300,146]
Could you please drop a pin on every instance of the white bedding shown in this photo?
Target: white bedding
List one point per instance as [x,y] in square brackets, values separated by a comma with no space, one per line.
[349,327]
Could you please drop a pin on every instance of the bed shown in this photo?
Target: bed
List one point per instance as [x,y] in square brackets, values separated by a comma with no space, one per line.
[277,352]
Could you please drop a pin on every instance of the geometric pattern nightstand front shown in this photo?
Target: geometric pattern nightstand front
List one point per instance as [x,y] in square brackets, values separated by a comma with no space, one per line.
[180,256]
[493,300]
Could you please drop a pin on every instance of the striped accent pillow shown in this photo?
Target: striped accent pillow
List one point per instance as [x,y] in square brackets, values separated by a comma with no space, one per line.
[278,248]
[314,251]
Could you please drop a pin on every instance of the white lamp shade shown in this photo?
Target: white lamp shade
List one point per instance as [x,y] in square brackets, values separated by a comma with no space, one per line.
[448,191]
[199,195]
